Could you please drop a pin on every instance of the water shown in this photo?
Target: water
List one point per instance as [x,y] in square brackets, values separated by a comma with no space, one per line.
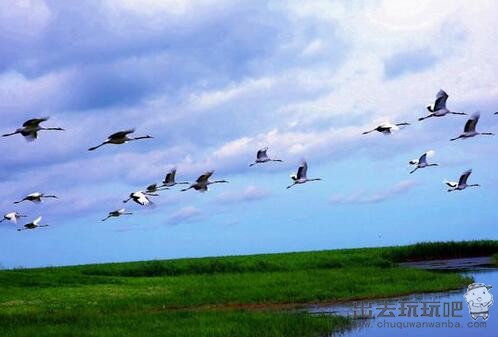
[454,319]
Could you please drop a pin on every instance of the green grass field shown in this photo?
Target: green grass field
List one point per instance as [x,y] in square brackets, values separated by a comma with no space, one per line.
[226,296]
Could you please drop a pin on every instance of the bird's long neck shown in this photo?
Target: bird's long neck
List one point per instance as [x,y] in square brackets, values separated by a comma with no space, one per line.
[426,117]
[13,133]
[96,147]
[51,129]
[217,182]
[292,185]
[141,137]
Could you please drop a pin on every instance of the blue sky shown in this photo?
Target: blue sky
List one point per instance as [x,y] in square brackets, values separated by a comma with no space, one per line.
[213,81]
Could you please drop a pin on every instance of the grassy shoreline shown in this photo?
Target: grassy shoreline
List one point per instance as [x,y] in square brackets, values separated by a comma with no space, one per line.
[252,295]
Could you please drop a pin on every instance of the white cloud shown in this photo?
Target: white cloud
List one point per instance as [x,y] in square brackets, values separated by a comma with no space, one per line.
[248,87]
[186,214]
[250,193]
[24,19]
[364,197]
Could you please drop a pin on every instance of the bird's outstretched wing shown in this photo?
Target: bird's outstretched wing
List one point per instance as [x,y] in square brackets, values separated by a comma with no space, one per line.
[302,170]
[471,124]
[441,98]
[464,177]
[34,122]
[423,159]
[451,184]
[121,134]
[205,176]
[170,176]
[30,136]
[262,153]
[151,188]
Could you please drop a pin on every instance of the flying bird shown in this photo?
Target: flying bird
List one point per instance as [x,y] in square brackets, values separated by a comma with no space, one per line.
[36,197]
[31,127]
[117,213]
[202,183]
[300,177]
[32,225]
[262,157]
[12,217]
[470,128]
[153,189]
[438,108]
[422,162]
[139,197]
[386,128]
[462,183]
[120,137]
[169,180]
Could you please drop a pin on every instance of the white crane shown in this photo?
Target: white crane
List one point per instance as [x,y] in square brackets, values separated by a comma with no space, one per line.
[169,180]
[12,217]
[300,177]
[202,183]
[36,197]
[438,108]
[387,128]
[422,161]
[262,157]
[139,197]
[31,127]
[470,128]
[33,225]
[461,184]
[117,213]
[120,137]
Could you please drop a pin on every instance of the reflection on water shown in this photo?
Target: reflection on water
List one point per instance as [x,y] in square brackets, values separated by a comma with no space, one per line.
[441,314]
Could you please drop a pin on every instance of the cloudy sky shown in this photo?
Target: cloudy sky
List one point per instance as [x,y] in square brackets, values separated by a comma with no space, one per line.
[213,81]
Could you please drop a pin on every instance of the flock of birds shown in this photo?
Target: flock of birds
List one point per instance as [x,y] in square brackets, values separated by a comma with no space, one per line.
[32,127]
